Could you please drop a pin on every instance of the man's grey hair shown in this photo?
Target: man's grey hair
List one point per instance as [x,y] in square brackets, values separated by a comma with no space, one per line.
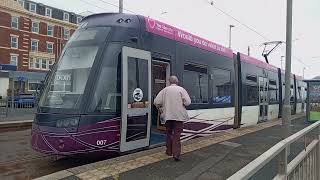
[173,80]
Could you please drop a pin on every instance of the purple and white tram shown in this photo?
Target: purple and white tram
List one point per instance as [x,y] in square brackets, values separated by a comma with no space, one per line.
[99,96]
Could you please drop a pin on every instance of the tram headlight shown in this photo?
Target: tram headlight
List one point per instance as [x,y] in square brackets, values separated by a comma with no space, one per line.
[69,122]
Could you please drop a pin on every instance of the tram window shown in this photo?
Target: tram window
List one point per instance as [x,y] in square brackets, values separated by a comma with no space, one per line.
[291,94]
[107,95]
[137,78]
[221,86]
[273,95]
[299,95]
[252,78]
[273,82]
[273,91]
[195,81]
[252,95]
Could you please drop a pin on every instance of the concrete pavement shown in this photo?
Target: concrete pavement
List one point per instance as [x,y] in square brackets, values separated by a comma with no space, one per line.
[215,157]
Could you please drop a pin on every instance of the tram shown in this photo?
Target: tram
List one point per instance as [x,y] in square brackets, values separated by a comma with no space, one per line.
[99,97]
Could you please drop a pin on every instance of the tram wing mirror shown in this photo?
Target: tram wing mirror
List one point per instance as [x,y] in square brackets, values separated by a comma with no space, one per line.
[134,39]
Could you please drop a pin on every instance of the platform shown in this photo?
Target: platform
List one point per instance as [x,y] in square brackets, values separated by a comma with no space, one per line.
[214,157]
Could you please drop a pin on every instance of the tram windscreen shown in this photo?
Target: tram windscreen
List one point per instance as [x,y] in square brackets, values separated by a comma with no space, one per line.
[67,84]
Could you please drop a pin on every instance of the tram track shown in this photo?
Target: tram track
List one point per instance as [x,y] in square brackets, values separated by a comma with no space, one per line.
[19,161]
[23,160]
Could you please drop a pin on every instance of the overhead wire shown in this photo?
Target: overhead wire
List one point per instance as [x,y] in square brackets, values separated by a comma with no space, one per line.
[252,29]
[243,24]
[117,6]
[93,5]
[219,9]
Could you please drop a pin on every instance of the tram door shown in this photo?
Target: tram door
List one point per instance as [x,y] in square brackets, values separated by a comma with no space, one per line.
[160,74]
[136,99]
[263,99]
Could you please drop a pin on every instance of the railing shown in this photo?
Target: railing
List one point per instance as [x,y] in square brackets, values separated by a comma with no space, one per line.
[22,107]
[3,108]
[305,166]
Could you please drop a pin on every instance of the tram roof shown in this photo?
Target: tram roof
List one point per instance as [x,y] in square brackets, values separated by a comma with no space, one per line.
[159,28]
[165,30]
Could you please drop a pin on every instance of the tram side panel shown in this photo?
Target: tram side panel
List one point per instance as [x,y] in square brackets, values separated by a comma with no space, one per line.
[260,91]
[250,97]
[292,93]
[209,79]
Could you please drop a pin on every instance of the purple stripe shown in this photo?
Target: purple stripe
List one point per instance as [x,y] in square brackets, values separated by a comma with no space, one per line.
[165,30]
[257,62]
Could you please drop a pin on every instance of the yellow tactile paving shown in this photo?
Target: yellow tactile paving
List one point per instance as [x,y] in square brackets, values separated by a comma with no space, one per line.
[117,168]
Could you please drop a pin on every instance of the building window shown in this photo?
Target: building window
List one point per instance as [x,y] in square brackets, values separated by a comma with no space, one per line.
[14,42]
[35,27]
[66,16]
[34,85]
[15,22]
[50,30]
[221,86]
[50,63]
[79,19]
[31,63]
[43,64]
[37,63]
[14,59]
[32,7]
[195,80]
[40,63]
[21,2]
[66,34]
[48,12]
[34,45]
[49,47]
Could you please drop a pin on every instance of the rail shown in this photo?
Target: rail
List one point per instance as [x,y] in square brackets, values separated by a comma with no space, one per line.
[306,165]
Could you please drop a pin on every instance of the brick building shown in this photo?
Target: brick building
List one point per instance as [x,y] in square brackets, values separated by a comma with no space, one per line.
[32,36]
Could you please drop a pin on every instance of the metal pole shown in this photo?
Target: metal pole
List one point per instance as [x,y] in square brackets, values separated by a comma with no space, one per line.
[230,27]
[120,6]
[248,50]
[286,119]
[12,93]
[303,72]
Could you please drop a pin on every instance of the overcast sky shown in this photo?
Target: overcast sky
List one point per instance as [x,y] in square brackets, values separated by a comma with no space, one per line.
[267,17]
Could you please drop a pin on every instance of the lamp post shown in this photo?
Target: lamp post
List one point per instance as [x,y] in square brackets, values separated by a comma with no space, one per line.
[304,68]
[230,27]
[120,6]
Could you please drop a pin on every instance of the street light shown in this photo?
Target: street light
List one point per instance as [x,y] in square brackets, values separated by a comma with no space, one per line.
[303,72]
[230,27]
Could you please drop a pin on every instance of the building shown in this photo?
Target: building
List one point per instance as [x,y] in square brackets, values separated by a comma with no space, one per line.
[32,36]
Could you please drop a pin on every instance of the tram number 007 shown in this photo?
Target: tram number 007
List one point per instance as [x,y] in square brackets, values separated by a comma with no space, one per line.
[101,142]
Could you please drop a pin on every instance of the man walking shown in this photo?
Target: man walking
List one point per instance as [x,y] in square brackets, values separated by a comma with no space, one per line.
[171,102]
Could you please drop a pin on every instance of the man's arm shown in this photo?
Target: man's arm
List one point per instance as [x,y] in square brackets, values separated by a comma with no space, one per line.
[185,97]
[158,100]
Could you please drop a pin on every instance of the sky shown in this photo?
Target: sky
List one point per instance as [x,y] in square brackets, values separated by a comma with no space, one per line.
[265,18]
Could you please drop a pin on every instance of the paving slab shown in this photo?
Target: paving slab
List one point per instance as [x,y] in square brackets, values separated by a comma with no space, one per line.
[218,161]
